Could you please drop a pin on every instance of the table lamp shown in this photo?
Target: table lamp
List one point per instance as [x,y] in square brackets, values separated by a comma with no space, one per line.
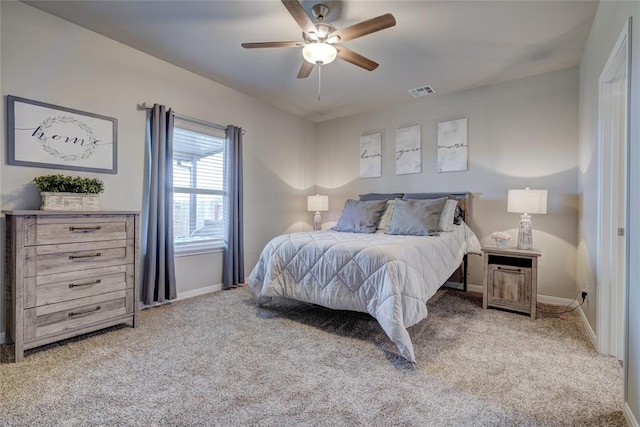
[526,202]
[318,204]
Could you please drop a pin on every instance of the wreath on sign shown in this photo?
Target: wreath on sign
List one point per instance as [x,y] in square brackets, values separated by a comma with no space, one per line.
[51,121]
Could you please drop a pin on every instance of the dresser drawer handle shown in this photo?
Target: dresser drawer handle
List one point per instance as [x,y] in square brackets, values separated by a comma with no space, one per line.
[85,229]
[85,256]
[509,269]
[75,285]
[80,313]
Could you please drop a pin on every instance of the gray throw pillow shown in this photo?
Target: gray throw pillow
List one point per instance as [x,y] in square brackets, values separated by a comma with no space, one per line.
[385,219]
[416,217]
[360,216]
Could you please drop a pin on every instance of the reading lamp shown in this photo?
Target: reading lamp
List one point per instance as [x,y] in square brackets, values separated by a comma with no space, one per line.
[526,202]
[317,203]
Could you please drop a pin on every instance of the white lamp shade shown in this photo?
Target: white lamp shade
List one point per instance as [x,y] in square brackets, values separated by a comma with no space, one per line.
[319,53]
[527,201]
[317,203]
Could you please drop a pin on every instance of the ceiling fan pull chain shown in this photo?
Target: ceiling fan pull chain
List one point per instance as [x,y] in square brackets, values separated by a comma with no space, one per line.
[319,81]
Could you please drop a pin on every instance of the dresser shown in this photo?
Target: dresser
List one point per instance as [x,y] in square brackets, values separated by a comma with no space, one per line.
[68,273]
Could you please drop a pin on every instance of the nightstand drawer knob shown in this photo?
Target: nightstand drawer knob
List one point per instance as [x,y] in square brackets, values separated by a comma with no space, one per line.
[510,269]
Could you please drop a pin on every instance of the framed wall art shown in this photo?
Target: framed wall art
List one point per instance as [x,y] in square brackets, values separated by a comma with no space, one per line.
[371,155]
[408,150]
[49,136]
[452,146]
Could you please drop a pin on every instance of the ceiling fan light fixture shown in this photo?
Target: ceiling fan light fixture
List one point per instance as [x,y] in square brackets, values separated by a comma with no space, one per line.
[319,53]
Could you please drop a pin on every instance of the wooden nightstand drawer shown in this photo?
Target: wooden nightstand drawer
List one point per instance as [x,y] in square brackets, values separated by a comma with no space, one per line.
[509,287]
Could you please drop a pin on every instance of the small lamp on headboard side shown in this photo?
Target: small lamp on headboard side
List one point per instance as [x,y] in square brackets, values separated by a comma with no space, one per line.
[318,204]
[526,202]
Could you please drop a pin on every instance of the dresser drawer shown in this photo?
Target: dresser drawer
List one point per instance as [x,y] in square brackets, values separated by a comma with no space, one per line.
[51,259]
[77,229]
[54,288]
[58,318]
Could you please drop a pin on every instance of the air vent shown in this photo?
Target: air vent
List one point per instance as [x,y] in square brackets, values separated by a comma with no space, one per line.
[421,91]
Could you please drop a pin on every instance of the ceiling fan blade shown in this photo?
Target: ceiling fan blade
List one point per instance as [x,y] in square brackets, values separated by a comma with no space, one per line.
[305,70]
[271,44]
[365,27]
[356,59]
[297,11]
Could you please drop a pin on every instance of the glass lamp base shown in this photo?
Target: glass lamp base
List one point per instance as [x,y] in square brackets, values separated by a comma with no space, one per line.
[525,233]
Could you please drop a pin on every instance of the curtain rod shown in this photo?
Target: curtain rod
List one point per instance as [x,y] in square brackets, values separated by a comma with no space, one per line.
[145,106]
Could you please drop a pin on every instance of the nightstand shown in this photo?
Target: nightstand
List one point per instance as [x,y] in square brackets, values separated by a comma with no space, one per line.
[510,279]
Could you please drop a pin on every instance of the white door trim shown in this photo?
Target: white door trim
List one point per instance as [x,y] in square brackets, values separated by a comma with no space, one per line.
[613,116]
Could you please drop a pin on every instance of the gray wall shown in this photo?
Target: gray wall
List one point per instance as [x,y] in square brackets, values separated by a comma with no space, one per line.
[51,60]
[608,23]
[520,133]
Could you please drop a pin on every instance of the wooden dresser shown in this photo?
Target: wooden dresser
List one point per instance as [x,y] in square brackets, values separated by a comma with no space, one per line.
[69,273]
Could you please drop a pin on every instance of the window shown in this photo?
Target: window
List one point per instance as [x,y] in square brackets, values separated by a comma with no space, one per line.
[198,188]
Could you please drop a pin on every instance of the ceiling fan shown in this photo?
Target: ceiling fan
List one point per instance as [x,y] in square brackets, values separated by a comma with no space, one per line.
[320,45]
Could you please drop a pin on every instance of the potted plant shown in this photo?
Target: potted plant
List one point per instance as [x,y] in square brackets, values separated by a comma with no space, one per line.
[64,192]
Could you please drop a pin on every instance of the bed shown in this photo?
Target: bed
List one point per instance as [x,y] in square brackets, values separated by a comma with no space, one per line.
[389,276]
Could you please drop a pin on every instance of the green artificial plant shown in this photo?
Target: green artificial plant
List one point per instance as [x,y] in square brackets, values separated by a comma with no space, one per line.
[68,184]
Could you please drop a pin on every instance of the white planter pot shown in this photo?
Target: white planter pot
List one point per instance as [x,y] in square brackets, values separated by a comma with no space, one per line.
[69,201]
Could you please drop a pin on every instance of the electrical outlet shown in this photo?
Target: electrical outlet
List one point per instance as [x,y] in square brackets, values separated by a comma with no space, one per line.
[584,295]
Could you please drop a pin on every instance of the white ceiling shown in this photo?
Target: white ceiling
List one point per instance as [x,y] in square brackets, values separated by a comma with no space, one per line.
[450,45]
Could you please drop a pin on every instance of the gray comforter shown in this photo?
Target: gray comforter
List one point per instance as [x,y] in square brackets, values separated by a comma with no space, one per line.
[390,277]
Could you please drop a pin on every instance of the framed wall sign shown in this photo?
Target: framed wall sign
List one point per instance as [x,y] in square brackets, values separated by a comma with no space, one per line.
[452,146]
[408,150]
[49,136]
[371,155]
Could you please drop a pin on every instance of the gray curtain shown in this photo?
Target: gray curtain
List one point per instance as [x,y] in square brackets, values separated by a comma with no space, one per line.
[233,257]
[158,275]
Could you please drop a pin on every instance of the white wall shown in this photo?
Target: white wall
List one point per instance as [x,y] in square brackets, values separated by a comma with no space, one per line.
[521,133]
[608,23]
[50,60]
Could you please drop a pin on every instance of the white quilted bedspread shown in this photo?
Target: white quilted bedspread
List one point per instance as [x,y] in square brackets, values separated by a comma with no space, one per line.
[390,277]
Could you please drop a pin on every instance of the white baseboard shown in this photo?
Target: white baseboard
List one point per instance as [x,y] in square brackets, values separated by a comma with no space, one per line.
[186,294]
[198,291]
[475,288]
[545,299]
[588,329]
[628,415]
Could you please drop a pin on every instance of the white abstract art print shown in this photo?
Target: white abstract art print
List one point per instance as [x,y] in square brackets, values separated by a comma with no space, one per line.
[408,150]
[371,155]
[452,146]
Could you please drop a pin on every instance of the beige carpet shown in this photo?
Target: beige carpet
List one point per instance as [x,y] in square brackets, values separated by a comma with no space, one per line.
[218,359]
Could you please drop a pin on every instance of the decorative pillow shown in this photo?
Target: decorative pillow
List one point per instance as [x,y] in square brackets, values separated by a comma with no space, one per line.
[360,216]
[459,215]
[380,196]
[448,215]
[457,218]
[385,219]
[416,217]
